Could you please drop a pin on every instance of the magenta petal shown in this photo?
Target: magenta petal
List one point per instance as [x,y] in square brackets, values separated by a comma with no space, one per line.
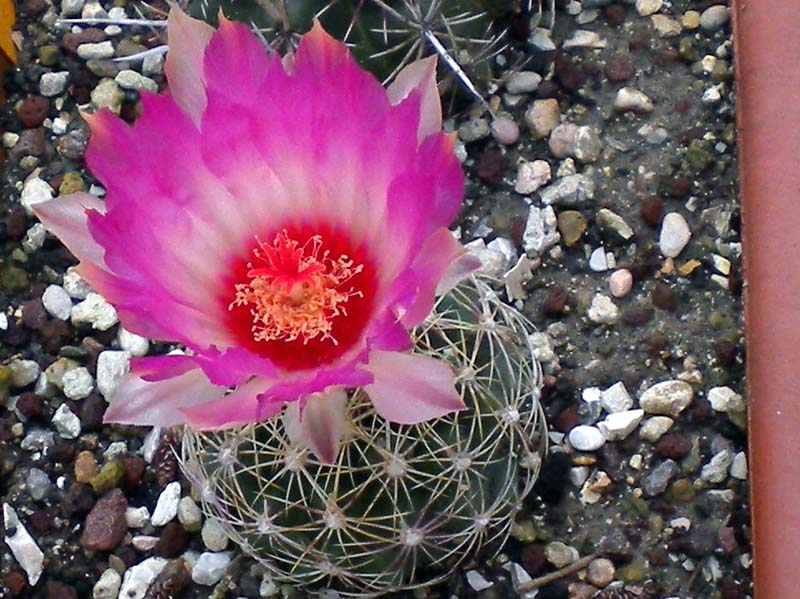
[160,403]
[321,423]
[420,76]
[159,368]
[409,388]
[240,406]
[187,39]
[65,217]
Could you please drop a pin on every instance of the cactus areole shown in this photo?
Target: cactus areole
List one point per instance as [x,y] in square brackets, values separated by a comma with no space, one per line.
[283,218]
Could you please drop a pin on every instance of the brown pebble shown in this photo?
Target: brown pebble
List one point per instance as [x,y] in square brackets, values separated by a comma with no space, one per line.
[33,314]
[58,590]
[651,211]
[567,420]
[614,14]
[568,73]
[41,522]
[532,558]
[16,223]
[55,334]
[675,187]
[492,166]
[31,142]
[29,404]
[173,541]
[15,582]
[555,304]
[673,445]
[726,538]
[664,297]
[600,572]
[85,467]
[657,344]
[134,467]
[105,526]
[33,111]
[71,41]
[637,316]
[725,352]
[619,67]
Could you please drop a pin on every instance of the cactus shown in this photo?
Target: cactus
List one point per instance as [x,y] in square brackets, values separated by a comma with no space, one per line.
[402,505]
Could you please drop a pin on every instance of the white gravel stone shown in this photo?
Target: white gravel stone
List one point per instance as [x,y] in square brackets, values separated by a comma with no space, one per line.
[37,483]
[631,99]
[37,440]
[189,514]
[153,64]
[541,230]
[214,536]
[24,549]
[542,39]
[167,505]
[664,26]
[668,398]
[675,234]
[716,470]
[75,285]
[53,84]
[616,398]
[603,310]
[268,587]
[560,554]
[477,582]
[739,466]
[96,311]
[586,438]
[619,425]
[473,129]
[542,117]
[620,282]
[66,422]
[569,191]
[645,8]
[112,366]
[144,542]
[3,321]
[137,517]
[132,343]
[493,262]
[210,567]
[598,261]
[35,191]
[77,383]
[96,51]
[505,130]
[130,79]
[725,399]
[505,247]
[70,8]
[115,450]
[714,17]
[34,238]
[57,302]
[523,82]
[531,176]
[23,372]
[107,586]
[138,578]
[93,10]
[653,428]
[107,94]
[583,38]
[542,347]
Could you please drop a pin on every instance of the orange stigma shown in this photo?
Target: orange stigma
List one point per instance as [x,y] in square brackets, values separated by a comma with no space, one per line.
[296,293]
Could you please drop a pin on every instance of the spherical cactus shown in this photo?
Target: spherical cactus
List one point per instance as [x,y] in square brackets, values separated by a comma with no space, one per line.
[402,505]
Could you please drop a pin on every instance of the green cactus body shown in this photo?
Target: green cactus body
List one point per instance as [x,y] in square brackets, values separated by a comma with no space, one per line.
[402,505]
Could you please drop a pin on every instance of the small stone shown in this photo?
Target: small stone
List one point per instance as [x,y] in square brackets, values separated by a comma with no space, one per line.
[675,235]
[568,191]
[673,446]
[33,111]
[691,19]
[112,366]
[96,311]
[631,99]
[107,94]
[72,182]
[108,478]
[541,39]
[173,540]
[616,398]
[129,79]
[167,505]
[66,422]
[57,302]
[715,17]
[665,26]
[523,82]
[572,225]
[24,549]
[153,64]
[210,568]
[77,383]
[137,517]
[541,232]
[562,140]
[37,483]
[505,130]
[70,8]
[655,483]
[651,210]
[138,578]
[582,38]
[586,438]
[23,373]
[531,176]
[716,471]
[620,283]
[214,536]
[602,310]
[654,428]
[189,515]
[85,467]
[613,226]
[135,345]
[619,425]
[739,466]
[53,84]
[107,586]
[668,398]
[588,145]
[681,491]
[35,191]
[477,582]
[75,286]
[601,570]
[725,399]
[93,10]
[619,67]
[542,117]
[105,525]
[37,440]
[96,51]
[474,129]
[560,555]
[598,261]
[645,8]
[664,297]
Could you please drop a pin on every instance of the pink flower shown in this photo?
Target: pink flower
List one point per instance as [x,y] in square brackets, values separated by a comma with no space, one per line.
[285,220]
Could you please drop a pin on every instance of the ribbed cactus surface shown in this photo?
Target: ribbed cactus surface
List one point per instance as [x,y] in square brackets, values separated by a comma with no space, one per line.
[402,505]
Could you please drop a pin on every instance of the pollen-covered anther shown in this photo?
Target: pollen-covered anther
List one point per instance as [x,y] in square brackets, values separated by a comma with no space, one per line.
[297,293]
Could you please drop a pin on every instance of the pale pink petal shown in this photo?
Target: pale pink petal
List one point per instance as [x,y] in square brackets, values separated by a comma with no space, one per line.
[65,217]
[140,402]
[187,39]
[238,407]
[409,388]
[159,368]
[420,76]
[320,424]
[295,388]
[458,270]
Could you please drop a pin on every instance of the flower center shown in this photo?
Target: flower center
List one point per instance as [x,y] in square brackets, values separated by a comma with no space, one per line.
[295,292]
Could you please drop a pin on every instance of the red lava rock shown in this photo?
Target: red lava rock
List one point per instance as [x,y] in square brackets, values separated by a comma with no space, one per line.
[134,467]
[568,73]
[673,445]
[105,526]
[619,67]
[16,223]
[664,297]
[614,14]
[683,105]
[547,89]
[725,351]
[33,111]
[651,210]
[555,303]
[639,40]
[15,582]
[91,412]
[61,452]
[700,411]
[492,166]
[637,316]
[657,556]
[532,558]
[33,314]
[566,420]
[55,334]
[173,541]
[71,41]
[674,187]
[29,404]
[31,143]
[58,590]
[657,344]
[41,522]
